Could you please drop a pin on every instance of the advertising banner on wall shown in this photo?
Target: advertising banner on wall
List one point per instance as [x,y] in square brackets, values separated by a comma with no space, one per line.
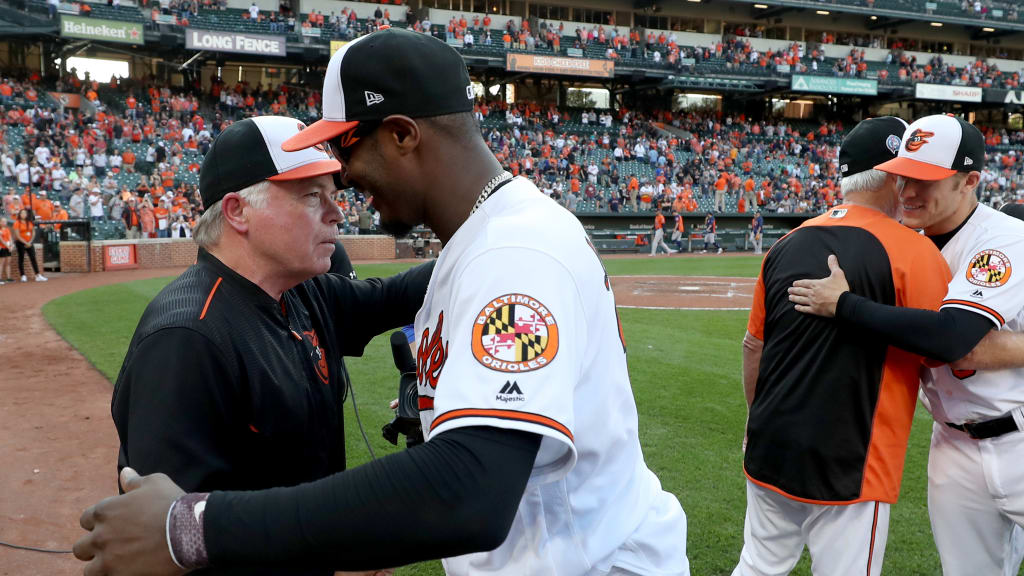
[559,65]
[99,29]
[336,45]
[947,93]
[1003,96]
[120,257]
[235,42]
[831,85]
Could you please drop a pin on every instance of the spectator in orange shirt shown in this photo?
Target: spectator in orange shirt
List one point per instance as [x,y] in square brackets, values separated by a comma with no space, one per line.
[24,234]
[42,207]
[128,161]
[59,213]
[163,220]
[147,219]
[6,246]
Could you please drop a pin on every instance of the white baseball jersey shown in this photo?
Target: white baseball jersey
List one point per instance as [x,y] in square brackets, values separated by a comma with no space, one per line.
[519,330]
[981,257]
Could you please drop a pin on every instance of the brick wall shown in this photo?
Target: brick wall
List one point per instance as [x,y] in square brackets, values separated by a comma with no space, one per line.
[72,256]
[167,252]
[369,247]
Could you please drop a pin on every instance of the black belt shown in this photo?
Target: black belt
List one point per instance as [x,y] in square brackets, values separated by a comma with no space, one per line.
[988,428]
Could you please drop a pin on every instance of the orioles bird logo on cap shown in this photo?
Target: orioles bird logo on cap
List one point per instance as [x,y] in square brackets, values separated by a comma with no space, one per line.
[318,147]
[918,138]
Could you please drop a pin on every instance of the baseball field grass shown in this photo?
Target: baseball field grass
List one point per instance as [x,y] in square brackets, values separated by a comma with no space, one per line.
[685,371]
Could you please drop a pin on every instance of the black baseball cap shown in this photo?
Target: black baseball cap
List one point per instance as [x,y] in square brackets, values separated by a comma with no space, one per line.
[870,143]
[387,72]
[1013,209]
[936,147]
[249,151]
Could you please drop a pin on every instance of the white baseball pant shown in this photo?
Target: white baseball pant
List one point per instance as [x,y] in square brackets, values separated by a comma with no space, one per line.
[976,502]
[848,540]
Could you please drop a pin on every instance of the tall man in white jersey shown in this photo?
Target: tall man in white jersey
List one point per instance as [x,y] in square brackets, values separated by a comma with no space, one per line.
[976,462]
[532,464]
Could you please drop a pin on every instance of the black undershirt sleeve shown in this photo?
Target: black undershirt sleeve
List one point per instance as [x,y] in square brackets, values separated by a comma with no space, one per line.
[947,335]
[454,495]
[363,309]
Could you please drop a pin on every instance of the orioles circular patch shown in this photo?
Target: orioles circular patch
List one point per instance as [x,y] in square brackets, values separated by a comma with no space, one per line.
[989,268]
[515,333]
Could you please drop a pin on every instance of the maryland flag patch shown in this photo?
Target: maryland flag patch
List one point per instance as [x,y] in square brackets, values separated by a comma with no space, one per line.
[515,333]
[989,268]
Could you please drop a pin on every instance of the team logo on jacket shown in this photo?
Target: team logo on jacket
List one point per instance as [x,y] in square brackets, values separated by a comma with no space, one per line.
[515,333]
[918,138]
[431,355]
[989,268]
[317,356]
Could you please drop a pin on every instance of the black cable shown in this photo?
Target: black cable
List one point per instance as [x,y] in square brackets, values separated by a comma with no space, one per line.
[33,549]
[352,393]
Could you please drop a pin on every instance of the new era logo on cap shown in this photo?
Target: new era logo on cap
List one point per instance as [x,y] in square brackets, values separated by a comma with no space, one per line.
[937,147]
[372,98]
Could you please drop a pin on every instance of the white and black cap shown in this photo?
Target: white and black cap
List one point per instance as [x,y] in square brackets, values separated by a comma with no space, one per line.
[387,72]
[249,151]
[937,147]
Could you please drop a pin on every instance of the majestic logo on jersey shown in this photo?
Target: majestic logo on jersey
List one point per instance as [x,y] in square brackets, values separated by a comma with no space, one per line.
[431,355]
[893,143]
[989,268]
[317,356]
[510,392]
[918,138]
[838,213]
[515,333]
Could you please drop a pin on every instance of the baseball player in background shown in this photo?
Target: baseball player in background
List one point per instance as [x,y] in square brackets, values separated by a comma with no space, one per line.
[756,231]
[659,235]
[710,231]
[976,461]
[678,231]
[830,409]
[532,464]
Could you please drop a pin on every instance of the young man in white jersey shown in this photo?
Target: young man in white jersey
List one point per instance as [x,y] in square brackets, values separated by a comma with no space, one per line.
[532,464]
[976,462]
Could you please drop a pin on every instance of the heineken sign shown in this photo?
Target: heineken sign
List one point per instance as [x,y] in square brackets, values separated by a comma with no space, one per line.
[97,29]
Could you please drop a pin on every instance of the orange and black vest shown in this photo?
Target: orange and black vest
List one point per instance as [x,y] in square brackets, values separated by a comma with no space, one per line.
[833,404]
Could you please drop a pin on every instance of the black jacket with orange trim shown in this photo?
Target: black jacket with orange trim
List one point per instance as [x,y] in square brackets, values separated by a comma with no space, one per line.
[224,388]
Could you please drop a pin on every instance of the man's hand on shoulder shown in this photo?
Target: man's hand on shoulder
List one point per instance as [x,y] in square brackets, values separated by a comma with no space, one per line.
[127,534]
[820,297]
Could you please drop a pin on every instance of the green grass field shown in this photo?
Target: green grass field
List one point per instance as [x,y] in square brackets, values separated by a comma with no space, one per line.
[685,370]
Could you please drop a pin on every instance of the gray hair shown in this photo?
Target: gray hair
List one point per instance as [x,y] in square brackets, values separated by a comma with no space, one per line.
[210,225]
[866,181]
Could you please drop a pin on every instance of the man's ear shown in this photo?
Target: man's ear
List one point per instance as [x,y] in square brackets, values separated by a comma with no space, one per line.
[233,209]
[972,181]
[403,133]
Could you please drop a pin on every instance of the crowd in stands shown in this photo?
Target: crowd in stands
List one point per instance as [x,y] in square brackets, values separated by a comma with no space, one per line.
[134,159]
